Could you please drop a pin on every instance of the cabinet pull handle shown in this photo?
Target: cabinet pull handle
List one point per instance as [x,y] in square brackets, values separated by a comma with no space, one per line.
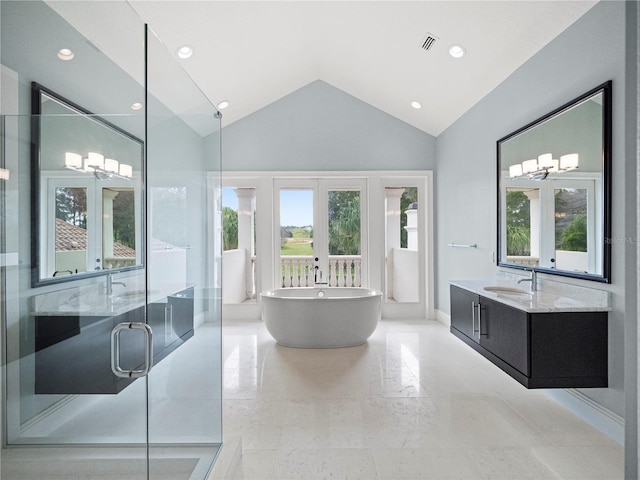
[480,320]
[168,322]
[473,316]
[115,349]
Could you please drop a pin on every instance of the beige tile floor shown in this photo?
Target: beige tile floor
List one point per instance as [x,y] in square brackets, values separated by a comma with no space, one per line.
[412,403]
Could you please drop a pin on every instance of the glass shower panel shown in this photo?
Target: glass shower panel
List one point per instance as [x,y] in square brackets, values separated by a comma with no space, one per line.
[183,249]
[61,396]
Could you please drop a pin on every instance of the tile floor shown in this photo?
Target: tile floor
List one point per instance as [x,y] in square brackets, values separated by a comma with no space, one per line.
[412,403]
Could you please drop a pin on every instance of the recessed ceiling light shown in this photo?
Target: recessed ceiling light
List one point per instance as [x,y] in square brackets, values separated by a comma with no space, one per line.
[223,104]
[456,51]
[136,106]
[185,51]
[65,54]
[417,105]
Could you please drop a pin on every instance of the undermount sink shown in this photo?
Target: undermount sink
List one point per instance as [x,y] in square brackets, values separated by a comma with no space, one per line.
[507,290]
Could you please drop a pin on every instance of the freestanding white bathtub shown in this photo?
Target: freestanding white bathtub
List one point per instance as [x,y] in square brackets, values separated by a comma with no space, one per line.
[317,317]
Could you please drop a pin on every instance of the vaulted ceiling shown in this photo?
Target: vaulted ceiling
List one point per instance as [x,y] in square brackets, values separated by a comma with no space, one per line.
[252,53]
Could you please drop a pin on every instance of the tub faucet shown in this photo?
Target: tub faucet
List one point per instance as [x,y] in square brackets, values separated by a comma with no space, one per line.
[315,276]
[533,279]
[111,283]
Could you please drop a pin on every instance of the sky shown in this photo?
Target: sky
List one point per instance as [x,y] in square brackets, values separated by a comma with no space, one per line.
[296,206]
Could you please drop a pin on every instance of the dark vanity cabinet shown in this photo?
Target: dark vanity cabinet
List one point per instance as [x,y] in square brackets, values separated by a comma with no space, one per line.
[539,350]
[73,352]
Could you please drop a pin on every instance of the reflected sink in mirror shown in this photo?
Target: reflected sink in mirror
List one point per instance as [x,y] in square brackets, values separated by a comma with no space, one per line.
[133,295]
[507,290]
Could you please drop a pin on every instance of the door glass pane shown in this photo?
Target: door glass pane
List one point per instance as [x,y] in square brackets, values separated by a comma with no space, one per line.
[571,229]
[402,245]
[238,244]
[343,224]
[182,284]
[296,238]
[71,239]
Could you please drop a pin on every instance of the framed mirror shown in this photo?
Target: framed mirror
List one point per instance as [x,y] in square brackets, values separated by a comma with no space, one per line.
[86,195]
[554,191]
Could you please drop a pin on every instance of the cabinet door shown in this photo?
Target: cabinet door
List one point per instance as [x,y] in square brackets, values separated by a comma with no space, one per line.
[504,332]
[464,307]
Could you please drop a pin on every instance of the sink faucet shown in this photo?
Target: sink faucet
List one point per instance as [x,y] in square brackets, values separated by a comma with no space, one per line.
[111,283]
[533,279]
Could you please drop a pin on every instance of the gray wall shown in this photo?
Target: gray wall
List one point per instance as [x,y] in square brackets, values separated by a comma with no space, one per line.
[320,127]
[587,54]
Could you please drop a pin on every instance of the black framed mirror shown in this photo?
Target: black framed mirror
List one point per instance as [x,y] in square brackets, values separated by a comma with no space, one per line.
[87,175]
[554,191]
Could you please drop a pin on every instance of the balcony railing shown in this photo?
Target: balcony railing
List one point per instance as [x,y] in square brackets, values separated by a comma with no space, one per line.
[119,262]
[344,271]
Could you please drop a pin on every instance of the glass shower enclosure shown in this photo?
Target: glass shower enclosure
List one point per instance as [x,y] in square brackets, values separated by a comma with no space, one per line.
[109,250]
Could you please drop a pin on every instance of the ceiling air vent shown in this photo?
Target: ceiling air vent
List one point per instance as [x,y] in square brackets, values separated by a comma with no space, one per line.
[428,41]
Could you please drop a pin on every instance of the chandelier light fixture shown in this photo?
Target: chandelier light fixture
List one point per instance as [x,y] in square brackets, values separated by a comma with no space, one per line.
[103,168]
[540,168]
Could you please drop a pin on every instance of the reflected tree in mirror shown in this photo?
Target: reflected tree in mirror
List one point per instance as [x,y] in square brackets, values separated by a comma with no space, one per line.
[518,223]
[571,219]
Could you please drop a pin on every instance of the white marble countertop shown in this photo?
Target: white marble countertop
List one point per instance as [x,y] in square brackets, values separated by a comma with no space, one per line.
[549,298]
[85,301]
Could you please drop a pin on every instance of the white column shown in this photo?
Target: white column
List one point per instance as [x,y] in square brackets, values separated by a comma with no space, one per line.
[534,221]
[107,224]
[412,229]
[246,237]
[392,213]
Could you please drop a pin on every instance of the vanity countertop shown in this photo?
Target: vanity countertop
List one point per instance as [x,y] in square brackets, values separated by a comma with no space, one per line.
[94,303]
[547,299]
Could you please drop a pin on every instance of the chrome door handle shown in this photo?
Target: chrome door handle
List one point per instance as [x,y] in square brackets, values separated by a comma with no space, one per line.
[480,319]
[115,349]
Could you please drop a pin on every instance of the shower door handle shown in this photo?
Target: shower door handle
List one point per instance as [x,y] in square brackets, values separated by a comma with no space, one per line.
[115,349]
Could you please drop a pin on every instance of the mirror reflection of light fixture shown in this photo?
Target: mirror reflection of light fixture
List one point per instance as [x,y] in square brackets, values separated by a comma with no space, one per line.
[102,168]
[4,174]
[540,168]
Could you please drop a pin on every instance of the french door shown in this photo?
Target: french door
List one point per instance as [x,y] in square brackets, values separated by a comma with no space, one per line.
[320,232]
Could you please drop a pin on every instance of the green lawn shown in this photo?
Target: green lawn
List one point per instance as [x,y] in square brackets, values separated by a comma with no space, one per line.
[293,247]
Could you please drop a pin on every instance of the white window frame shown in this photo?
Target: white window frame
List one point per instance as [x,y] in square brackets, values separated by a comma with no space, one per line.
[54,179]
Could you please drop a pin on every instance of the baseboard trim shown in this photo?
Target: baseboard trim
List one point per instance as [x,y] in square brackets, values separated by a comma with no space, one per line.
[443,318]
[609,423]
